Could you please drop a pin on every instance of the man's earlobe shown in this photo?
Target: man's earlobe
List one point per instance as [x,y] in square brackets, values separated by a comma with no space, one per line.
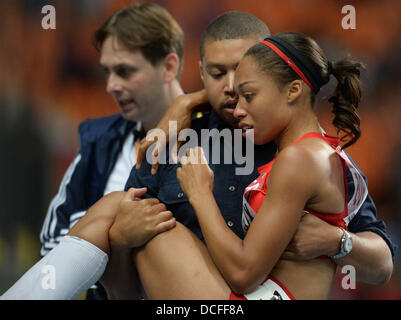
[200,69]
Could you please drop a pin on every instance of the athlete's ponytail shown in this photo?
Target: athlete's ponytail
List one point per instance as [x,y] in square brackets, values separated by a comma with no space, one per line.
[346,98]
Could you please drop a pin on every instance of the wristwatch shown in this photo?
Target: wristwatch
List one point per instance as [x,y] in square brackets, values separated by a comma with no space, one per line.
[345,245]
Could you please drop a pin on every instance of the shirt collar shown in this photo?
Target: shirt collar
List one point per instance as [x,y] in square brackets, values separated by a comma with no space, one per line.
[215,122]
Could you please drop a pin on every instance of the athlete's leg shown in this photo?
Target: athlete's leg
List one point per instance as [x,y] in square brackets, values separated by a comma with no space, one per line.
[176,265]
[76,263]
[120,278]
[95,224]
[173,265]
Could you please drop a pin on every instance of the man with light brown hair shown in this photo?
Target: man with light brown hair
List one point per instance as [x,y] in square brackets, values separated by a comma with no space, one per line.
[141,52]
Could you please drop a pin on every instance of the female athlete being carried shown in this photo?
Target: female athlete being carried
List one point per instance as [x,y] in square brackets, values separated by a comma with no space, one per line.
[276,82]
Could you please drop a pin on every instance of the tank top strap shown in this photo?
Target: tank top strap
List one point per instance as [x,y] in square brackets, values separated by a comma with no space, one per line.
[332,141]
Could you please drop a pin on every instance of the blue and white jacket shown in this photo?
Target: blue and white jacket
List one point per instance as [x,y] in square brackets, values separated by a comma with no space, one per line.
[84,182]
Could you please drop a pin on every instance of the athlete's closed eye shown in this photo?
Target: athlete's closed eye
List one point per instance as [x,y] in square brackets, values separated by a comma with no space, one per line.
[247,90]
[248,96]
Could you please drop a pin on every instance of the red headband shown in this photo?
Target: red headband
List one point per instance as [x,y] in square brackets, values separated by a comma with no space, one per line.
[288,61]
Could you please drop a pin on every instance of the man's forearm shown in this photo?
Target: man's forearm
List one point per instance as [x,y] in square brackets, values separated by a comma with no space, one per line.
[370,254]
[371,258]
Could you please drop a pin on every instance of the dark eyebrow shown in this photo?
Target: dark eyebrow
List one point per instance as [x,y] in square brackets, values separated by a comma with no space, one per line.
[119,65]
[244,83]
[219,65]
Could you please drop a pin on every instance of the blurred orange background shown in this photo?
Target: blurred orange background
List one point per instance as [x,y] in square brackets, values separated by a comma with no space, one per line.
[50,81]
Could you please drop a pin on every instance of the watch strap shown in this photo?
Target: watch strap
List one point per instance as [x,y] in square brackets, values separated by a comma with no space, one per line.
[344,238]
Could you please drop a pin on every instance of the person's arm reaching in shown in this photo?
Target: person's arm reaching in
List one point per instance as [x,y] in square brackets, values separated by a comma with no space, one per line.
[180,111]
[140,217]
[372,250]
[370,255]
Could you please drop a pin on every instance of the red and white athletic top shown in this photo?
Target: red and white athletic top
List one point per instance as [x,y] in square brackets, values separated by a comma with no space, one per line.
[255,193]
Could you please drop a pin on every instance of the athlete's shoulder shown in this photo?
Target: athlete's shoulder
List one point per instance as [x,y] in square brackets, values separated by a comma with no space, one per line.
[312,150]
[297,161]
[297,153]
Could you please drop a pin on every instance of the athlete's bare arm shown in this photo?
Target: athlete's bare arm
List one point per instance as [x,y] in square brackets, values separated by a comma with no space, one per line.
[245,263]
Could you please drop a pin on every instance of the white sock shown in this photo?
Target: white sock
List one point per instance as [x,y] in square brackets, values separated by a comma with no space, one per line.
[64,273]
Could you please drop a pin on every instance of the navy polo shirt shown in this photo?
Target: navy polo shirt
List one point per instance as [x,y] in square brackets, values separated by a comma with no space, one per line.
[229,186]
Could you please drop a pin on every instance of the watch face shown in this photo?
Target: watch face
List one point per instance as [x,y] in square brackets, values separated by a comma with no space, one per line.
[348,245]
